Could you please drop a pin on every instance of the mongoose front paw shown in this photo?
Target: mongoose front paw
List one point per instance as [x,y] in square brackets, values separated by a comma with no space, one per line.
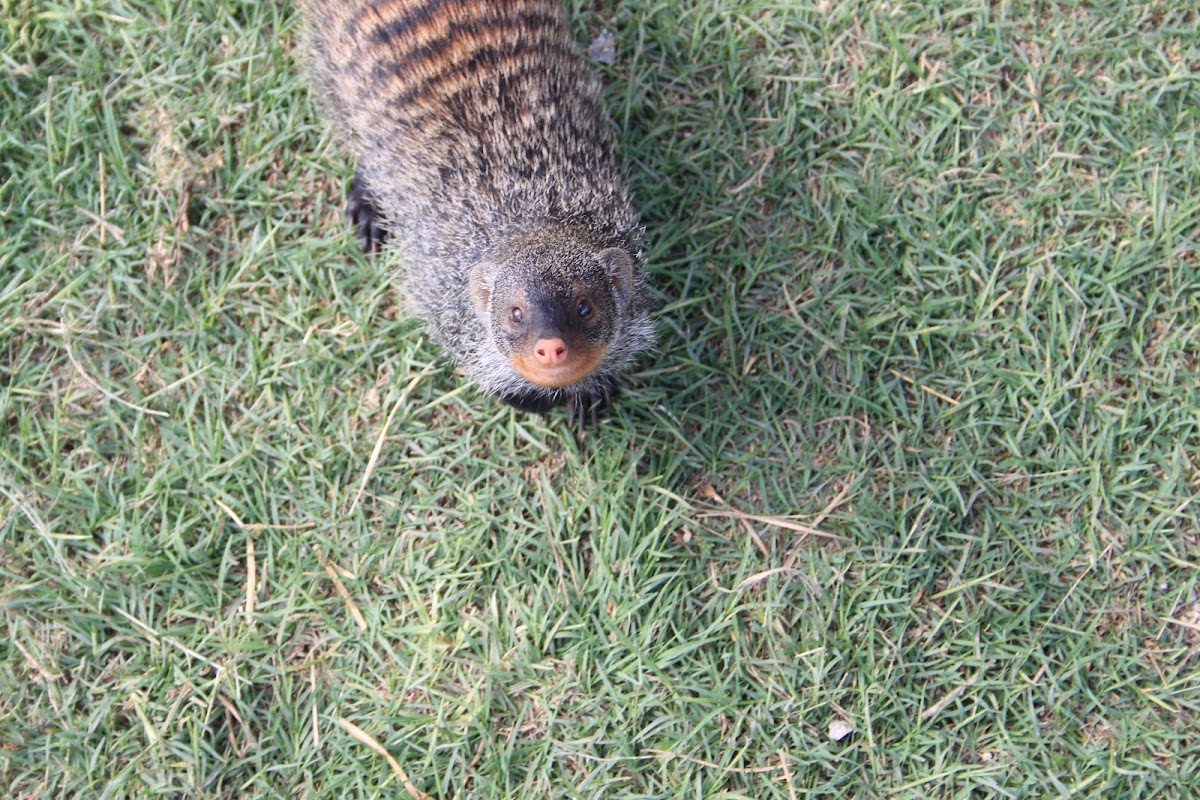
[585,408]
[582,407]
[531,402]
[364,215]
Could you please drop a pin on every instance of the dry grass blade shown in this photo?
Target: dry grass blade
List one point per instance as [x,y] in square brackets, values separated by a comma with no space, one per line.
[374,459]
[95,384]
[937,707]
[762,576]
[342,591]
[364,737]
[779,522]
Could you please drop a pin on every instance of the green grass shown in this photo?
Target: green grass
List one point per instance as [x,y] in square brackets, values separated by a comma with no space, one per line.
[930,282]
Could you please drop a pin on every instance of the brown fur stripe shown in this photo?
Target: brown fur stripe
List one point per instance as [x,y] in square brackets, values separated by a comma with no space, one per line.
[439,29]
[408,17]
[463,40]
[464,69]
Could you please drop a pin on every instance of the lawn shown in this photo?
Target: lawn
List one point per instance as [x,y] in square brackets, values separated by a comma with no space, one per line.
[903,506]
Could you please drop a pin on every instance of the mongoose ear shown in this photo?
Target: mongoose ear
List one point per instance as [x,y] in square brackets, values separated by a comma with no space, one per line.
[619,267]
[480,284]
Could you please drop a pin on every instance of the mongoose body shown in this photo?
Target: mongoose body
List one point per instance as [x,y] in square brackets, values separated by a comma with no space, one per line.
[484,151]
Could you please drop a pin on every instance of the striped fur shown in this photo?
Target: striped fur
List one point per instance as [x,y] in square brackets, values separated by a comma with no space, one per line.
[476,125]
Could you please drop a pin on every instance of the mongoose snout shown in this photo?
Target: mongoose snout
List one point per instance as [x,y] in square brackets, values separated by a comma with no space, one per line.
[550,353]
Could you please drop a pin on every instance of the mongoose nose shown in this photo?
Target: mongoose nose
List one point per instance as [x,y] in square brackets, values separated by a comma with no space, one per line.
[550,352]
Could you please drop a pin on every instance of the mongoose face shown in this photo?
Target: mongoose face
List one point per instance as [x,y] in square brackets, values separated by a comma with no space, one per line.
[552,311]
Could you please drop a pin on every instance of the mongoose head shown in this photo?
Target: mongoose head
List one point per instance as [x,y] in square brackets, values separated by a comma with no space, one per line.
[553,306]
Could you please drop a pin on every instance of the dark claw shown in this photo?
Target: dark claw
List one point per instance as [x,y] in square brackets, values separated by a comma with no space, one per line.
[584,408]
[364,215]
[580,407]
[530,402]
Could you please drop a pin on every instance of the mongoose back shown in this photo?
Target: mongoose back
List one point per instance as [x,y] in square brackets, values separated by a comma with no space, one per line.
[483,149]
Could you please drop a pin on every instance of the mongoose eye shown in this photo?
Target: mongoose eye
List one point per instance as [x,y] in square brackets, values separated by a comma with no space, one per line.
[517,314]
[585,310]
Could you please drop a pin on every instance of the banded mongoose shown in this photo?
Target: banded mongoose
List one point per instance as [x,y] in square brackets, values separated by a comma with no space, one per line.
[484,150]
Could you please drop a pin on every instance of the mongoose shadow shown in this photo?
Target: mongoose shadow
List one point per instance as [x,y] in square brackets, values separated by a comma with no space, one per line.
[720,148]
